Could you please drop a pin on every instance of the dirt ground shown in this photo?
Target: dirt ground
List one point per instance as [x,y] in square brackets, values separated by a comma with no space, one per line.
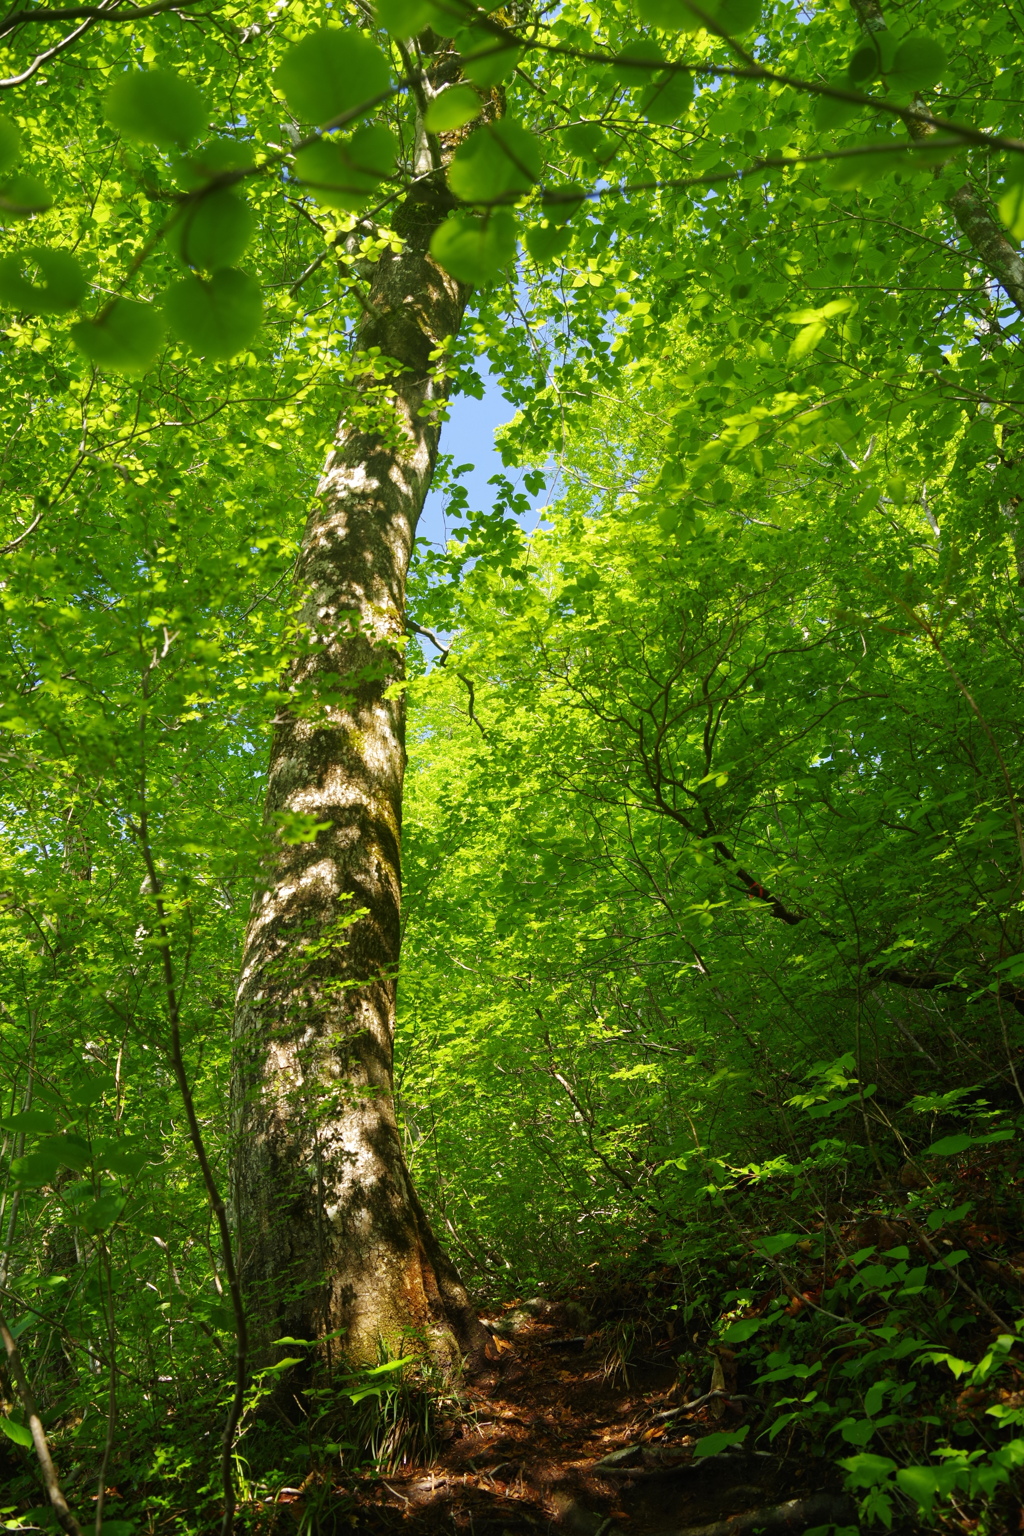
[532,1454]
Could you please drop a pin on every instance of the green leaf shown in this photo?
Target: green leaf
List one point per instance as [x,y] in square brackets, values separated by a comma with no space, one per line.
[587,141]
[499,160]
[19,1433]
[63,284]
[10,143]
[73,1151]
[345,173]
[857,1431]
[924,1484]
[102,1213]
[453,108]
[405,18]
[668,99]
[949,1146]
[24,194]
[217,316]
[124,1158]
[917,63]
[35,1169]
[213,231]
[669,15]
[156,106]
[635,64]
[547,240]
[35,1120]
[871,59]
[736,17]
[473,249]
[212,159]
[867,1470]
[1011,210]
[710,1445]
[733,17]
[778,1242]
[742,1329]
[126,340]
[829,112]
[486,60]
[330,73]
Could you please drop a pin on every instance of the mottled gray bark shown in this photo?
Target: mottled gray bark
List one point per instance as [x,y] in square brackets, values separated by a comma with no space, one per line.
[330,1231]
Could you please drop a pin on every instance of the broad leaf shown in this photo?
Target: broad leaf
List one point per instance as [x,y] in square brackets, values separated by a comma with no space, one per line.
[500,160]
[345,173]
[473,249]
[213,231]
[330,73]
[217,316]
[156,106]
[455,107]
[126,340]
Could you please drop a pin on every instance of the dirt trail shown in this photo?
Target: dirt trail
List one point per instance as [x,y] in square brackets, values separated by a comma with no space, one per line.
[533,1455]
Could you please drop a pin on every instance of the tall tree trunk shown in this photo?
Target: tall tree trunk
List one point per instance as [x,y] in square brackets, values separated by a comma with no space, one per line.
[331,1233]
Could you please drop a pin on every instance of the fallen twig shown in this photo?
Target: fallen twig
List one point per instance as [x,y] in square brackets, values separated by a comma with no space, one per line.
[698,1402]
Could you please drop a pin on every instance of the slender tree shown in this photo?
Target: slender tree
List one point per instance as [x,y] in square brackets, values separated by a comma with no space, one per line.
[333,1237]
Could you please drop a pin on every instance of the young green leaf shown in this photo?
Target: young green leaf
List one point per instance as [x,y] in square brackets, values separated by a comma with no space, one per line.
[546,240]
[407,18]
[33,1120]
[63,284]
[500,160]
[156,106]
[486,60]
[330,73]
[126,340]
[453,108]
[917,63]
[668,98]
[213,231]
[211,159]
[24,194]
[217,316]
[475,250]
[10,143]
[710,1445]
[344,173]
[19,1433]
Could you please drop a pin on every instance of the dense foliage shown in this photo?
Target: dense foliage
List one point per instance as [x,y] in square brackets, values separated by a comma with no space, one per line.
[713,843]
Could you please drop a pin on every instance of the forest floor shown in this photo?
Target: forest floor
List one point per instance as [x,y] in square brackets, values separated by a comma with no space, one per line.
[564,1436]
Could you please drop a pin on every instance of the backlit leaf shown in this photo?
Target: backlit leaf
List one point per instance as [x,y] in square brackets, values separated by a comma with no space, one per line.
[486,59]
[498,160]
[24,194]
[475,250]
[156,106]
[126,340]
[330,73]
[455,107]
[917,63]
[10,143]
[62,286]
[213,231]
[217,316]
[344,173]
[19,1433]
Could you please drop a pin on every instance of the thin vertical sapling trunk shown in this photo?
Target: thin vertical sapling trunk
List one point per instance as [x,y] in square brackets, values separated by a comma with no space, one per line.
[332,1236]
